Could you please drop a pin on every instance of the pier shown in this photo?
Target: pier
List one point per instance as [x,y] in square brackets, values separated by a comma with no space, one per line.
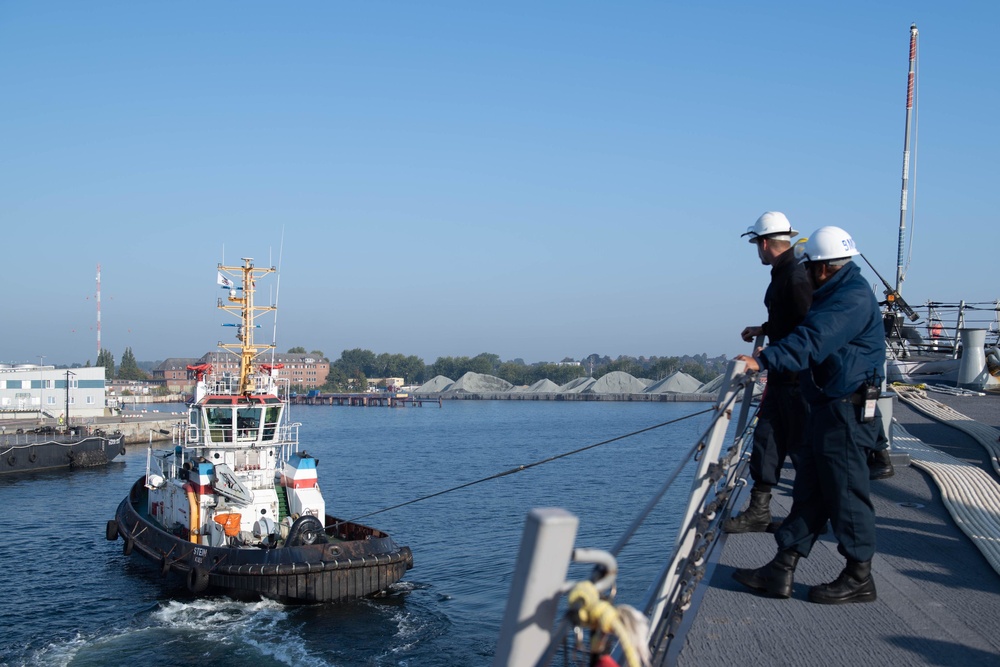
[376,399]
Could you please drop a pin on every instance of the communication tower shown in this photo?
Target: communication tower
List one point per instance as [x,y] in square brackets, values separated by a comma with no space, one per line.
[98,311]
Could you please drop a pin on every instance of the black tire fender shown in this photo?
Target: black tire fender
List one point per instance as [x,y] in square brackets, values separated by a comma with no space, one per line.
[306,530]
[111,532]
[127,546]
[11,460]
[122,451]
[197,579]
[32,457]
[164,565]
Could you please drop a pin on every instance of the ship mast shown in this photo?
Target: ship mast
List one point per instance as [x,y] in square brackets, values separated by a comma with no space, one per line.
[241,304]
[906,155]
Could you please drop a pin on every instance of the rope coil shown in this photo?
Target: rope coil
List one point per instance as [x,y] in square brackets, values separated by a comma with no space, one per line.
[604,619]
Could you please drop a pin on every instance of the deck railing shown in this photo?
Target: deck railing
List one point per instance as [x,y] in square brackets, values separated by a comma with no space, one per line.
[533,634]
[285,436]
[938,327]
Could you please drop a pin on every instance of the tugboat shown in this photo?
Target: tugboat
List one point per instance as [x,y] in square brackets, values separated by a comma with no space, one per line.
[235,506]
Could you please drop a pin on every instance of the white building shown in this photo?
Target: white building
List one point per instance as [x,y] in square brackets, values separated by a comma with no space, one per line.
[29,389]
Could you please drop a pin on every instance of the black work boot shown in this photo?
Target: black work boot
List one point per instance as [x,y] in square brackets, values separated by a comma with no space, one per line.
[775,578]
[755,518]
[879,464]
[855,584]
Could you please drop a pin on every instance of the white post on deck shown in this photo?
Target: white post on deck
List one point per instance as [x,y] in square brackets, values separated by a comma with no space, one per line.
[972,367]
[542,566]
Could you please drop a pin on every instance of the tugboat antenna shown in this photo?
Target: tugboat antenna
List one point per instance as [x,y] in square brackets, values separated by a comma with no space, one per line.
[241,303]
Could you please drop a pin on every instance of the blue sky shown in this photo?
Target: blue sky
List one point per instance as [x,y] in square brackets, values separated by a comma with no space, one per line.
[534,180]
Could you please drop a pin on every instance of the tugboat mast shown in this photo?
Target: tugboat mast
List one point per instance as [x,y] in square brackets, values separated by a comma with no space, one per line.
[241,304]
[906,156]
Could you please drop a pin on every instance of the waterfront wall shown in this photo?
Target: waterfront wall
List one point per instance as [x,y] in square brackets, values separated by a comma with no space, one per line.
[140,432]
[127,401]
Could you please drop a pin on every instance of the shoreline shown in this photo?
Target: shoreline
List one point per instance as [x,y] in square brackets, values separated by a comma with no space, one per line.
[564,396]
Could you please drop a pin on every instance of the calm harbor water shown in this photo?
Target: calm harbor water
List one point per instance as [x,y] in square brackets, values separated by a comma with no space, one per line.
[72,598]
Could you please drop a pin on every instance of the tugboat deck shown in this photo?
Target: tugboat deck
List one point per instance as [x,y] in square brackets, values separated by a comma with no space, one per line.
[938,595]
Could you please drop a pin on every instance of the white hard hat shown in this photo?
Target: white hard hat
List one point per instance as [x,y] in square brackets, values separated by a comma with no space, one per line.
[827,244]
[799,248]
[770,224]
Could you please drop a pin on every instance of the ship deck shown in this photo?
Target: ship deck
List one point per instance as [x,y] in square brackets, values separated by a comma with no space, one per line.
[938,596]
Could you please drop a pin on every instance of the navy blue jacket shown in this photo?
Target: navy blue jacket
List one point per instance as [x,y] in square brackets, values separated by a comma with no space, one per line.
[841,341]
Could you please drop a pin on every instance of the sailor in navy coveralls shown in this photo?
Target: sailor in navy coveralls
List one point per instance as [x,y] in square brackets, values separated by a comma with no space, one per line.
[839,349]
[782,413]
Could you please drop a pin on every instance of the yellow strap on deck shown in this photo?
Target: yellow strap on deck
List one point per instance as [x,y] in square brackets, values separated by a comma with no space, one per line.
[600,615]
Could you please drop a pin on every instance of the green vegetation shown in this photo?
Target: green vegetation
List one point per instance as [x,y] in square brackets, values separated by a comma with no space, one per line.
[351,370]
[129,369]
[106,359]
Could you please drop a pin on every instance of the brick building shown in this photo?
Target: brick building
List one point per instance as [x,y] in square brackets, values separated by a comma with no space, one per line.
[301,370]
[174,375]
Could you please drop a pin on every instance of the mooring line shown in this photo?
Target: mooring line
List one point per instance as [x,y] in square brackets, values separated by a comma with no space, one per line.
[528,466]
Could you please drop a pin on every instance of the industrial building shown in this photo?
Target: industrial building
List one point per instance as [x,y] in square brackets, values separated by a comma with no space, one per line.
[36,391]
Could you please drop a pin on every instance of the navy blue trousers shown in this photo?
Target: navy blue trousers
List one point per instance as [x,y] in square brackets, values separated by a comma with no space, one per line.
[831,483]
[781,422]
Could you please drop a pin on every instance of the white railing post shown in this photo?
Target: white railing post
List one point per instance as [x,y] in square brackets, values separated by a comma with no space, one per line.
[747,394]
[699,489]
[542,564]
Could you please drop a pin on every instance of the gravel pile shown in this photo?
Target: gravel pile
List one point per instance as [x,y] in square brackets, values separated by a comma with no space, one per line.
[477,383]
[541,386]
[713,385]
[434,385]
[678,383]
[617,382]
[576,385]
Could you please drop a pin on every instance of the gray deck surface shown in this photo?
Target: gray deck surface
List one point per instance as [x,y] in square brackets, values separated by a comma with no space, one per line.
[938,597]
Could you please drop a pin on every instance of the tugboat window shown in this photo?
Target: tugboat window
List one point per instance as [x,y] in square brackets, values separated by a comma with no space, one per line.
[220,424]
[271,421]
[248,421]
[195,418]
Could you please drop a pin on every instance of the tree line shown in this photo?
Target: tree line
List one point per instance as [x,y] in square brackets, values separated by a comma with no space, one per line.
[128,369]
[354,367]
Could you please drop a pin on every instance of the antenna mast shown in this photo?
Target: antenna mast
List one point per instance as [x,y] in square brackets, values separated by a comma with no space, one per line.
[240,302]
[98,310]
[906,156]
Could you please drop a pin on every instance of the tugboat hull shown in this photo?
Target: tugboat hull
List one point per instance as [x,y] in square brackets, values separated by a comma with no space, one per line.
[355,562]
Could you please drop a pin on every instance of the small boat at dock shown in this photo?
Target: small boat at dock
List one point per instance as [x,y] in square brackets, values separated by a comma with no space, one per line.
[235,506]
[50,448]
